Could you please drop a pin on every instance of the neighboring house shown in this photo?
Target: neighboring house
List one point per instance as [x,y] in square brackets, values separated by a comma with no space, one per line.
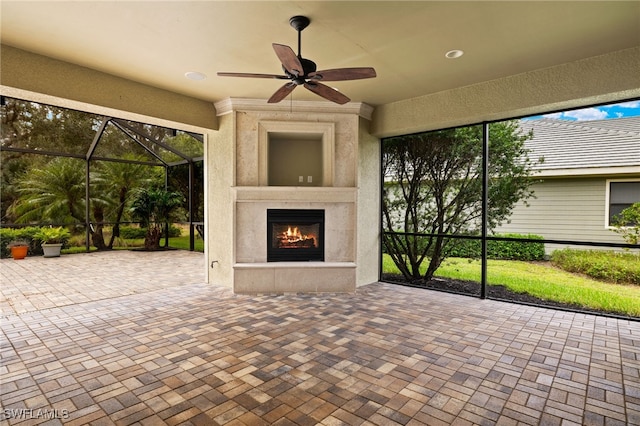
[591,171]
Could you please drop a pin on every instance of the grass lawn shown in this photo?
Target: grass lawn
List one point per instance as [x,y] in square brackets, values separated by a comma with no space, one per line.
[543,281]
[181,243]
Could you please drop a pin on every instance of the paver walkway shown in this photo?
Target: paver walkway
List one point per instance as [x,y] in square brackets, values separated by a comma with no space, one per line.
[145,350]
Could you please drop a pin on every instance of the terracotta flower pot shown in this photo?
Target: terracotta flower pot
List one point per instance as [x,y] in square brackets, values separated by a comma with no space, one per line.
[19,252]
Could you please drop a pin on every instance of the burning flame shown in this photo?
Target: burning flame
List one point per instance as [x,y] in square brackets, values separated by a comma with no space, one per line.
[293,235]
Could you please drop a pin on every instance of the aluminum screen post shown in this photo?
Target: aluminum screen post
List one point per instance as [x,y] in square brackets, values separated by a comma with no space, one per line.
[485,207]
[192,239]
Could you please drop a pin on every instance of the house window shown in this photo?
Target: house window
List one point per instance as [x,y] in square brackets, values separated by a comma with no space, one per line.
[622,194]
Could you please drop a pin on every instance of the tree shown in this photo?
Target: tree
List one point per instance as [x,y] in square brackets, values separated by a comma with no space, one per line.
[54,193]
[117,182]
[30,125]
[178,179]
[627,224]
[153,207]
[433,185]
[38,126]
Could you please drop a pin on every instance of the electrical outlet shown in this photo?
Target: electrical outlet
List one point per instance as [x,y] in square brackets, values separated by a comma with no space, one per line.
[300,179]
[309,179]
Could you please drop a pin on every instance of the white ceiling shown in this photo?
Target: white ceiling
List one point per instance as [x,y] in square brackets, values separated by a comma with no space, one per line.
[157,42]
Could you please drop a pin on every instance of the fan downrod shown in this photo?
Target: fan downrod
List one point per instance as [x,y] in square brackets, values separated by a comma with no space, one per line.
[299,23]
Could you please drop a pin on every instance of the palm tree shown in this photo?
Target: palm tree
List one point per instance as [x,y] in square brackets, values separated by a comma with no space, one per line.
[118,181]
[52,193]
[153,207]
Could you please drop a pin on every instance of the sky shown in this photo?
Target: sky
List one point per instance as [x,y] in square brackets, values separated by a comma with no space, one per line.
[624,109]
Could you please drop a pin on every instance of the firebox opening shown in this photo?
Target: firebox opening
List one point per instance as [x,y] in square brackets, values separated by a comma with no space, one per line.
[295,235]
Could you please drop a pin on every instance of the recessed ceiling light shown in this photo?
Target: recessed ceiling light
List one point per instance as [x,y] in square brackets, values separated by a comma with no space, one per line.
[453,54]
[194,75]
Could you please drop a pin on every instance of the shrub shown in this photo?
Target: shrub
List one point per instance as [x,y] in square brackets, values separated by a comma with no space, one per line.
[516,250]
[174,231]
[502,250]
[132,233]
[76,240]
[135,233]
[627,224]
[614,267]
[7,235]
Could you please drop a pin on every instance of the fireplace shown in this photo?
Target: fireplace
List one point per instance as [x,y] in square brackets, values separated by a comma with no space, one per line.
[295,235]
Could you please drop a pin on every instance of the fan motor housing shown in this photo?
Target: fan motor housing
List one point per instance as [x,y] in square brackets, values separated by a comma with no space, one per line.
[308,66]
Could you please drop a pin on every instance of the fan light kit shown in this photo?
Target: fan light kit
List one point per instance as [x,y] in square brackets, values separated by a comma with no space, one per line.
[453,54]
[194,75]
[302,72]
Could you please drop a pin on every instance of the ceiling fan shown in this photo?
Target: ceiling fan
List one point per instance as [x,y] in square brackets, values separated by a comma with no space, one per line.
[302,72]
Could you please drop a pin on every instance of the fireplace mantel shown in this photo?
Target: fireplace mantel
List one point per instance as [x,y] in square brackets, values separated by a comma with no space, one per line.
[296,194]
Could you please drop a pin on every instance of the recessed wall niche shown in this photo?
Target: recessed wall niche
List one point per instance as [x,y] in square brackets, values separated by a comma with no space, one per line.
[294,159]
[295,153]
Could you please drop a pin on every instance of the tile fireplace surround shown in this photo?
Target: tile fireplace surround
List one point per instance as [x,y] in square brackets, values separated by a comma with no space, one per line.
[346,187]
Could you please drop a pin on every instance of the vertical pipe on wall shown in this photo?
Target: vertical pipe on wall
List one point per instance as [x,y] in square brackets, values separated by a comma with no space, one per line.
[485,207]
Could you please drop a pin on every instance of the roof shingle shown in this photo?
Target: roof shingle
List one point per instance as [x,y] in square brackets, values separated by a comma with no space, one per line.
[584,144]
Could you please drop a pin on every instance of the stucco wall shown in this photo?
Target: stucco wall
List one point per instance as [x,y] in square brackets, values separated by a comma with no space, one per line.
[72,86]
[368,216]
[220,202]
[600,79]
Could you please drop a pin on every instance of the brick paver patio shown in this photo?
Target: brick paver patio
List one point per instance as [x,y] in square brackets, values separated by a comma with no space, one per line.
[138,338]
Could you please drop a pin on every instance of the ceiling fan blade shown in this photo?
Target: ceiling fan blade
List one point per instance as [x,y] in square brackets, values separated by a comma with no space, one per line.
[327,92]
[343,74]
[282,93]
[244,74]
[289,59]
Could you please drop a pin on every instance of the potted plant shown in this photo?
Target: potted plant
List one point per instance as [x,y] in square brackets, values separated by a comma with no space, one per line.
[19,249]
[52,240]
